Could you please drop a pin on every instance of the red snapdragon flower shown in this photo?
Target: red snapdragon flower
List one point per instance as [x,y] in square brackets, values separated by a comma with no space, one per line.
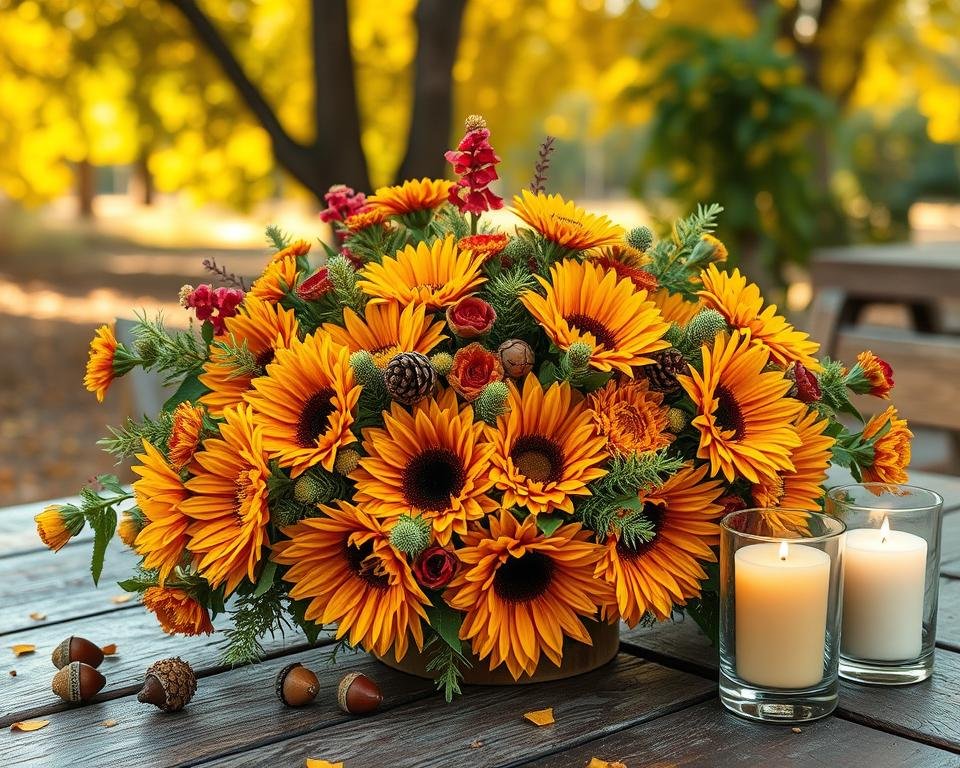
[474,161]
[342,202]
[215,305]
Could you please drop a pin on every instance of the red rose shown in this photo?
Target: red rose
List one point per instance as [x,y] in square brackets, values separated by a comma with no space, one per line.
[315,286]
[473,368]
[435,567]
[808,388]
[470,317]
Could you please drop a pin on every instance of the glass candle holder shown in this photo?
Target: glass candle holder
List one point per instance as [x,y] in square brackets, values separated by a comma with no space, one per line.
[890,581]
[780,573]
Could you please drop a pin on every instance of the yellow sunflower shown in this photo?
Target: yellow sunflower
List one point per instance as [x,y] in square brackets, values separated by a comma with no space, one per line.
[666,571]
[674,307]
[57,524]
[523,591]
[385,330]
[741,304]
[563,223]
[433,275]
[160,495]
[177,612]
[410,197]
[185,434]
[228,502]
[584,302]
[296,248]
[305,403]
[277,280]
[264,327]
[364,219]
[630,417]
[744,416]
[546,448]
[108,359]
[432,462]
[342,562]
[891,450]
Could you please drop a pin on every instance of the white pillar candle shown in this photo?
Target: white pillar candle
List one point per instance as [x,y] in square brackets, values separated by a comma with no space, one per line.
[781,614]
[883,584]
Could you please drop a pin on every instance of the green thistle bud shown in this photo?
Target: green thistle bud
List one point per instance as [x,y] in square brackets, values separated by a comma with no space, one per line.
[491,402]
[676,420]
[308,489]
[674,335]
[442,363]
[640,238]
[518,251]
[347,461]
[704,327]
[147,349]
[366,371]
[578,354]
[410,535]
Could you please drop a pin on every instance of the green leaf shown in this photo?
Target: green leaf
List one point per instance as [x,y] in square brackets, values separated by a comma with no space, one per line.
[548,524]
[548,373]
[446,623]
[112,484]
[190,388]
[139,583]
[706,612]
[206,332]
[104,526]
[266,578]
[298,610]
[594,380]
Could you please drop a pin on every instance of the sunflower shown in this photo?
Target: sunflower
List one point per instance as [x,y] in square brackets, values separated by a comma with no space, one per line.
[385,330]
[522,591]
[57,524]
[745,418]
[108,359]
[228,502]
[412,200]
[631,418]
[741,304]
[342,562]
[674,307]
[296,248]
[264,327]
[565,224]
[665,571]
[641,279]
[434,275]
[306,402]
[129,526]
[586,303]
[177,612]
[364,219]
[185,434]
[277,280]
[891,448]
[546,448]
[160,495]
[432,462]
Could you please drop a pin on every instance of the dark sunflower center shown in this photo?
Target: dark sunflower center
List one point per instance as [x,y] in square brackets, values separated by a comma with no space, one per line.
[525,578]
[638,547]
[587,324]
[728,413]
[538,458]
[265,358]
[313,417]
[366,567]
[432,477]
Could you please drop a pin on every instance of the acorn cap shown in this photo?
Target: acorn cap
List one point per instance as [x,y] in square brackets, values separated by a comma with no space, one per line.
[357,694]
[77,682]
[169,685]
[297,686]
[76,649]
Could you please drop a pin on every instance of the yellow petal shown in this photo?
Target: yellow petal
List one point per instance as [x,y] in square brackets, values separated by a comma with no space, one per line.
[29,725]
[109,723]
[316,762]
[21,648]
[540,716]
[596,762]
[109,650]
[121,599]
[37,616]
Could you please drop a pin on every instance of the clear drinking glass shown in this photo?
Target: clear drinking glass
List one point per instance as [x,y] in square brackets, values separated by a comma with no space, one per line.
[780,575]
[891,581]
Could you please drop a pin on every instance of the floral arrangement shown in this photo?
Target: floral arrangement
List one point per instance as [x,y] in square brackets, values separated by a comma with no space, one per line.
[470,442]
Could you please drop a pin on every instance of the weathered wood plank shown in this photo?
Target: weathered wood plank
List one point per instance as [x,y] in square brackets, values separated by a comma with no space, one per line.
[487,727]
[140,642]
[18,533]
[706,735]
[950,546]
[948,615]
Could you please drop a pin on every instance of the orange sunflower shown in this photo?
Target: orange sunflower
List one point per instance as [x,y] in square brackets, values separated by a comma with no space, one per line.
[385,330]
[305,403]
[522,591]
[57,524]
[745,418]
[342,562]
[741,304]
[108,359]
[277,280]
[184,434]
[160,495]
[433,275]
[546,448]
[584,302]
[563,223]
[666,571]
[228,502]
[413,196]
[891,448]
[630,417]
[432,462]
[674,307]
[264,327]
[364,219]
[296,248]
[177,612]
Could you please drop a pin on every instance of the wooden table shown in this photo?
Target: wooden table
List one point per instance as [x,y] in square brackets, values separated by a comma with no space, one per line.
[654,705]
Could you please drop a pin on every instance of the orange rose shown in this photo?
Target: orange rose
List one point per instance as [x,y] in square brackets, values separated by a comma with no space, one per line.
[470,317]
[473,368]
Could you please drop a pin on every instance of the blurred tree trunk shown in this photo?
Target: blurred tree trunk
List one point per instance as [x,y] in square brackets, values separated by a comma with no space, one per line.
[143,180]
[86,189]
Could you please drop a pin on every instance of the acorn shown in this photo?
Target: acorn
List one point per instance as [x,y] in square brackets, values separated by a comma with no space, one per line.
[297,686]
[77,682]
[517,358]
[357,694]
[169,685]
[76,649]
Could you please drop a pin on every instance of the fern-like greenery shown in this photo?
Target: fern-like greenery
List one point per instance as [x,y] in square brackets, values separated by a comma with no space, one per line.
[238,357]
[675,260]
[503,292]
[254,617]
[128,438]
[449,666]
[277,238]
[175,355]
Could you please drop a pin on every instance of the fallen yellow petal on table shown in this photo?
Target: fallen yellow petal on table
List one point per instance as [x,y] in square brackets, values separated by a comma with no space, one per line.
[37,616]
[21,648]
[596,762]
[540,716]
[315,762]
[109,723]
[121,599]
[29,725]
[109,650]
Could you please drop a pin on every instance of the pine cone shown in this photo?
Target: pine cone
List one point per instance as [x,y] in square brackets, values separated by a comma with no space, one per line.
[662,374]
[169,685]
[409,377]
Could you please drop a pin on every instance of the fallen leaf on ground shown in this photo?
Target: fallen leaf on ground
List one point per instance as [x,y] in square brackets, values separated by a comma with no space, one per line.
[476,744]
[121,599]
[796,730]
[37,616]
[29,725]
[316,762]
[13,673]
[596,762]
[109,650]
[540,716]
[21,648]
[109,723]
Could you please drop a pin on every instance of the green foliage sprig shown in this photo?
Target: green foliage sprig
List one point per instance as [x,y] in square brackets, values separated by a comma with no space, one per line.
[99,509]
[127,439]
[503,293]
[174,355]
[254,617]
[677,259]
